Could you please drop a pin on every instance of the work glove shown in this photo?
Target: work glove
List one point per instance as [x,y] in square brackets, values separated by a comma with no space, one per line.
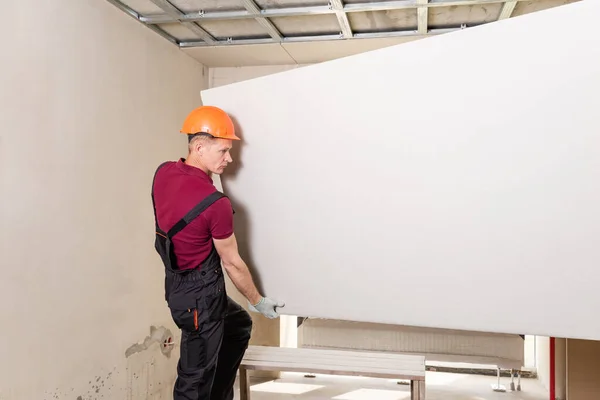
[266,306]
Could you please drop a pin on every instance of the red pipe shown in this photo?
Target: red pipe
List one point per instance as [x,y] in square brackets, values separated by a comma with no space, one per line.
[552,370]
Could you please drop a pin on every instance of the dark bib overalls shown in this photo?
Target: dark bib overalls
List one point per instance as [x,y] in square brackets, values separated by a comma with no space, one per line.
[214,329]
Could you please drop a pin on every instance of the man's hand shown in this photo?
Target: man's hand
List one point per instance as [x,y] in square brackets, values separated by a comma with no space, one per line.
[267,307]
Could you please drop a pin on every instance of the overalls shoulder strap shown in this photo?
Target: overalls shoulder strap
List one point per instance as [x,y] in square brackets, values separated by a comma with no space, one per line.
[194,212]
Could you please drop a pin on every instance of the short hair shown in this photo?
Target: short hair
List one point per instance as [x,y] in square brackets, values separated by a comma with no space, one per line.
[193,138]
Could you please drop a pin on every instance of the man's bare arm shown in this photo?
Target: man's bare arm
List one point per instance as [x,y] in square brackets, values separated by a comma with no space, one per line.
[237,269]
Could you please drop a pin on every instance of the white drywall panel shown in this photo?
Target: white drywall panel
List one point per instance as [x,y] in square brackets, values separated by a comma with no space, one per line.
[417,196]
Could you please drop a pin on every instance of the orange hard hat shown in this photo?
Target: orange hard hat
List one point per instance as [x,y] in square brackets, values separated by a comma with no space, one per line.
[211,120]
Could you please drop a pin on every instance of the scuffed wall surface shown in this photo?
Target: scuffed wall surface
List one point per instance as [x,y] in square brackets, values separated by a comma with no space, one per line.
[91,103]
[145,375]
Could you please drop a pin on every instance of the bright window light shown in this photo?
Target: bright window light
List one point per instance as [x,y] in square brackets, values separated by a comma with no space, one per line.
[373,394]
[442,378]
[283,387]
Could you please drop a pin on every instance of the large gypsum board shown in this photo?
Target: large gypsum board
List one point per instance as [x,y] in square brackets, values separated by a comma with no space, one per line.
[435,183]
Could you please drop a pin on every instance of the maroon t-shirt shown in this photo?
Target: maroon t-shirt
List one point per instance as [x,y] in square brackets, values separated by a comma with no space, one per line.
[178,187]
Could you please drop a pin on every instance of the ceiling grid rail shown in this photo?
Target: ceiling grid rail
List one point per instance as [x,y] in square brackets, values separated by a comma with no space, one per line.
[175,13]
[253,8]
[172,14]
[318,38]
[338,7]
[317,10]
[422,16]
[507,9]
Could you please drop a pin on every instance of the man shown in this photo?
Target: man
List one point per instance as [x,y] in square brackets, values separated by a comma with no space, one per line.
[194,237]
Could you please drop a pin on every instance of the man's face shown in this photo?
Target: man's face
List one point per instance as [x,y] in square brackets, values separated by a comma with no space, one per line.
[215,155]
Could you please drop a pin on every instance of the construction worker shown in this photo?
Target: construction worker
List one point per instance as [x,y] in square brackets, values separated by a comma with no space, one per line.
[195,237]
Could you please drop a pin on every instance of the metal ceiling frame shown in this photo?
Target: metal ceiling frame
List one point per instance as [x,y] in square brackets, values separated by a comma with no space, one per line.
[336,7]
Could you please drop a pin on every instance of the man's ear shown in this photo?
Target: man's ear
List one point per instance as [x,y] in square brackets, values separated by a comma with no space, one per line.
[197,147]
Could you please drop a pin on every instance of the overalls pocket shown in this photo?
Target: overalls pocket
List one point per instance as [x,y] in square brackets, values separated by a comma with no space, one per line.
[184,312]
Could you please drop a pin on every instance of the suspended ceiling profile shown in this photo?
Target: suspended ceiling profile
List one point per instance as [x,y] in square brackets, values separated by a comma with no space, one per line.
[271,32]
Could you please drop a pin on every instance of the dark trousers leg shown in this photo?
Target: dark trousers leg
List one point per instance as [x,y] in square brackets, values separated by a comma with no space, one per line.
[236,335]
[198,361]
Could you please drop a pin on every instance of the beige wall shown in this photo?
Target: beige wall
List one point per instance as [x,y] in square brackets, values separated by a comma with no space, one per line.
[91,102]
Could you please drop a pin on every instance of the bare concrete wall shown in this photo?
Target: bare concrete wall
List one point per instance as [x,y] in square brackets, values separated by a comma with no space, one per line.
[91,103]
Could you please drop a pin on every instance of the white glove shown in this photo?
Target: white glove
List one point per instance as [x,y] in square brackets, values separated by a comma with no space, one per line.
[266,306]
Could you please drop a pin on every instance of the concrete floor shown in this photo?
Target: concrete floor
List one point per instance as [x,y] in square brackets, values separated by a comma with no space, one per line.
[440,386]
